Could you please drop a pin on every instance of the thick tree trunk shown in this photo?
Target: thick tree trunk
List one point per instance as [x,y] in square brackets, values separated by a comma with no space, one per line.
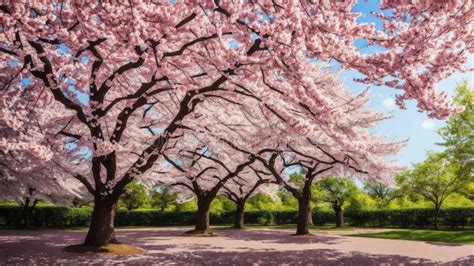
[26,216]
[436,218]
[304,215]
[202,221]
[101,230]
[239,215]
[339,215]
[28,212]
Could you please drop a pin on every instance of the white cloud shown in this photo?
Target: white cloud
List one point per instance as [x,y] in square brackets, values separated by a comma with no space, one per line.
[389,103]
[428,124]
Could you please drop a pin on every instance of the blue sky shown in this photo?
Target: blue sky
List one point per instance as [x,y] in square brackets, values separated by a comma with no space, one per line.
[408,124]
[421,131]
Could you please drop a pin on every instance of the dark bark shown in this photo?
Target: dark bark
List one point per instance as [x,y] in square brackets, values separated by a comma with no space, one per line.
[339,215]
[436,218]
[206,197]
[239,214]
[26,215]
[304,215]
[28,211]
[304,206]
[202,221]
[101,230]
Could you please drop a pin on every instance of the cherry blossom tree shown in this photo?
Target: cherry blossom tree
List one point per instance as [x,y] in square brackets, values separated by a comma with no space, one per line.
[333,138]
[21,128]
[28,172]
[29,187]
[328,139]
[245,185]
[320,157]
[203,171]
[128,74]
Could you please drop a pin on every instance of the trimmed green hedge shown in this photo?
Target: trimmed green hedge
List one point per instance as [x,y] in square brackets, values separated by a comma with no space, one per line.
[47,216]
[412,218]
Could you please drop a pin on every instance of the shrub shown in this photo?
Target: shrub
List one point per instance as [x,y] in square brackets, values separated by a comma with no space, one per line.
[412,218]
[50,216]
[265,218]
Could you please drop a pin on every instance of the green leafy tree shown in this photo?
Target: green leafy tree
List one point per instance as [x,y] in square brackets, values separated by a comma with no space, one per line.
[135,196]
[469,191]
[435,179]
[336,191]
[287,199]
[361,201]
[381,194]
[163,198]
[185,206]
[221,204]
[458,137]
[458,134]
[261,202]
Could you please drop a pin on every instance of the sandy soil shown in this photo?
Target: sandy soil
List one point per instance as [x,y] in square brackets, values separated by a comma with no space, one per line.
[247,247]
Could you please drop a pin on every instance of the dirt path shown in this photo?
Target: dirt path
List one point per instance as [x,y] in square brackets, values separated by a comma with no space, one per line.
[255,246]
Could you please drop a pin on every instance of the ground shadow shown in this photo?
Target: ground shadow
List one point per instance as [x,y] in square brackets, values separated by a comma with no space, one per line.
[280,236]
[45,247]
[444,244]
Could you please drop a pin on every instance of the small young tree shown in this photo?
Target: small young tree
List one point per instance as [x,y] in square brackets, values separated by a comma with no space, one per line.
[336,191]
[435,179]
[135,196]
[163,197]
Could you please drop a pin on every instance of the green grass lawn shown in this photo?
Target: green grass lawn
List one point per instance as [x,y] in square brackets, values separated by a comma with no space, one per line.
[458,236]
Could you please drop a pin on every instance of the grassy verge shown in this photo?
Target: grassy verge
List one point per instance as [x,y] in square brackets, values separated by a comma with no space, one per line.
[458,236]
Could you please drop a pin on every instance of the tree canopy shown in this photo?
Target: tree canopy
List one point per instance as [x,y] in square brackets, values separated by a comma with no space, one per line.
[458,133]
[135,196]
[200,93]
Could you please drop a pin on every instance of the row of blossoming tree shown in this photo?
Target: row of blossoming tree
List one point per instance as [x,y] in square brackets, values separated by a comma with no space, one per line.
[209,96]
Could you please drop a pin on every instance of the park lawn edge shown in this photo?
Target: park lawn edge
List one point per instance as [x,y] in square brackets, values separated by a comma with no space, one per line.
[439,236]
